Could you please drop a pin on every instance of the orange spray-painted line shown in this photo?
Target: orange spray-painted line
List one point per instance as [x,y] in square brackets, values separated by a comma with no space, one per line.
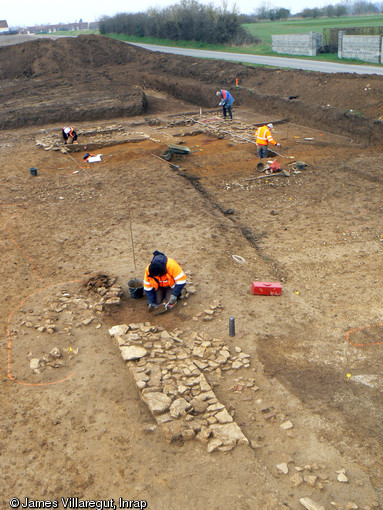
[10,339]
[359,329]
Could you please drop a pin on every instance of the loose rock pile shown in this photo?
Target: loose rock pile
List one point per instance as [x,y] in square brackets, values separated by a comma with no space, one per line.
[105,286]
[169,376]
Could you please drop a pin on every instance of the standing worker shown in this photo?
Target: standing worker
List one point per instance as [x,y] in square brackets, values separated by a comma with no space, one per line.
[263,138]
[226,101]
[164,279]
[69,132]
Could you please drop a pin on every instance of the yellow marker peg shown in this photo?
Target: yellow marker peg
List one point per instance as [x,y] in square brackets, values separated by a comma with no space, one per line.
[70,349]
[297,292]
[348,377]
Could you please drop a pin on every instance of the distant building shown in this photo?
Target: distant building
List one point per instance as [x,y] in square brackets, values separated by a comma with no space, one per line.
[48,29]
[3,26]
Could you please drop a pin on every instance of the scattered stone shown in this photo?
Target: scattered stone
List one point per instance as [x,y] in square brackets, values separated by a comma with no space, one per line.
[34,363]
[342,476]
[132,352]
[178,407]
[283,468]
[199,351]
[200,364]
[56,363]
[149,427]
[172,430]
[198,405]
[214,444]
[309,504]
[215,407]
[55,353]
[223,417]
[296,480]
[229,432]
[112,301]
[188,434]
[157,402]
[254,445]
[310,480]
[286,425]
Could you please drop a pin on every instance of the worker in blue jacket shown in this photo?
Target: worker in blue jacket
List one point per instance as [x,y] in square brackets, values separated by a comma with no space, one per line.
[226,101]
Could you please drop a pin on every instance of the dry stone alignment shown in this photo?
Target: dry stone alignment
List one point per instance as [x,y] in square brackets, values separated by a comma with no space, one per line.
[170,378]
[161,131]
[100,136]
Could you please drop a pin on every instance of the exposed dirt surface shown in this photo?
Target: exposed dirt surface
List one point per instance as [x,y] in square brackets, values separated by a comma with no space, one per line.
[73,423]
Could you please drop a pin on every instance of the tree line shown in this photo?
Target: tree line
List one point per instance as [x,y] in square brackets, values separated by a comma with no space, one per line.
[345,8]
[187,20]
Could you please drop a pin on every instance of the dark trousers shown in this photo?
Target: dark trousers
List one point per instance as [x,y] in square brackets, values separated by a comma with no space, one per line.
[163,293]
[227,108]
[262,151]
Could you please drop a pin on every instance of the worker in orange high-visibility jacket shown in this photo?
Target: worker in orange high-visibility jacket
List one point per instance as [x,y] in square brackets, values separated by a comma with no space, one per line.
[164,280]
[263,138]
[69,132]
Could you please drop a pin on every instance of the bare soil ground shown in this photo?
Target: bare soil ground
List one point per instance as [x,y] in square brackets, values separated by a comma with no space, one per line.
[79,428]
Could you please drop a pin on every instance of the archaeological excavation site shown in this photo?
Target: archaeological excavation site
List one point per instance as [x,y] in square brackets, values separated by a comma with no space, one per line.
[261,388]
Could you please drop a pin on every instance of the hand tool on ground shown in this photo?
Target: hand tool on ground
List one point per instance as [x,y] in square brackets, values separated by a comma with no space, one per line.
[169,305]
[164,160]
[163,309]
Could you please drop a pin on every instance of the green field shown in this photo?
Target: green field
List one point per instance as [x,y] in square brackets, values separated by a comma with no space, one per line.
[265,30]
[75,32]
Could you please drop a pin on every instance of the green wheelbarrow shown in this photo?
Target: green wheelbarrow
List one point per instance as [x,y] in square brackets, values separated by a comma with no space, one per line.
[178,150]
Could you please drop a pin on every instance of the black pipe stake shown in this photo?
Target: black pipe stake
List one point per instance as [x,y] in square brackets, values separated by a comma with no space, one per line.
[231,326]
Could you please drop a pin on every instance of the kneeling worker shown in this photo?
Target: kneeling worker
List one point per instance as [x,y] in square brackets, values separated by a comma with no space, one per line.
[164,279]
[69,132]
[263,138]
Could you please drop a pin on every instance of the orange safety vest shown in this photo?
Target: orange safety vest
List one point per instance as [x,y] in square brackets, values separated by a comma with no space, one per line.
[70,130]
[263,136]
[174,275]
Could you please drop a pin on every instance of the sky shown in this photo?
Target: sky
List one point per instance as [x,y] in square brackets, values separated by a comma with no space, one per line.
[38,12]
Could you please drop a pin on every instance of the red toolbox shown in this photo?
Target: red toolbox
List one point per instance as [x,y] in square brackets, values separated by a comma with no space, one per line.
[266,288]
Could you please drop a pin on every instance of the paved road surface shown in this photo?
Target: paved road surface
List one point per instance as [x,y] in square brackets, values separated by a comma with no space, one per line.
[293,63]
